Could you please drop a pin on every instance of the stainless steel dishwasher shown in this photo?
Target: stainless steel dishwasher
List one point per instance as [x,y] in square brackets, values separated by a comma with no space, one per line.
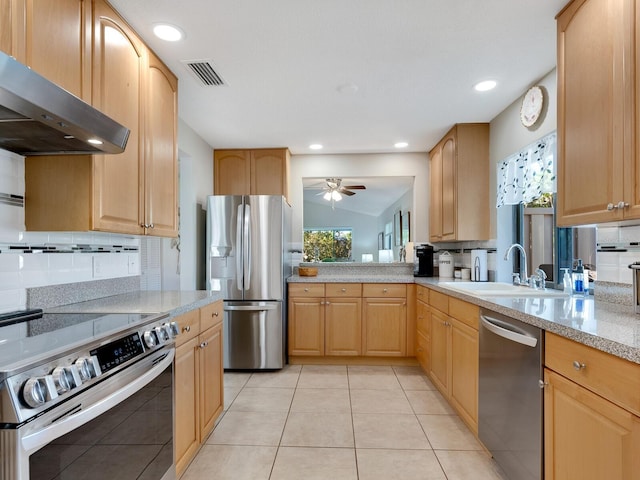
[510,403]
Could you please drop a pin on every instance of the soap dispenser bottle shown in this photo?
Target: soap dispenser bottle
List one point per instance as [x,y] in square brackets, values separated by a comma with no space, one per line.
[578,278]
[566,282]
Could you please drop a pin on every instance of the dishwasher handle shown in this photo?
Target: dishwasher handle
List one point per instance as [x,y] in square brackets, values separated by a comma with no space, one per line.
[501,331]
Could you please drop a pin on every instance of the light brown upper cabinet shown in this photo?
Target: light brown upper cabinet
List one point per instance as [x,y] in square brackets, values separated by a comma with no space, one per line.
[251,172]
[598,174]
[53,38]
[459,173]
[134,192]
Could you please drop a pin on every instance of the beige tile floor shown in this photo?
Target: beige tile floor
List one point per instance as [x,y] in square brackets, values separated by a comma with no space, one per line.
[338,422]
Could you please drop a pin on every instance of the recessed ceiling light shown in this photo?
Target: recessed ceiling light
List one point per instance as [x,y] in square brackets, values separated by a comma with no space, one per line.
[167,32]
[315,146]
[401,145]
[485,85]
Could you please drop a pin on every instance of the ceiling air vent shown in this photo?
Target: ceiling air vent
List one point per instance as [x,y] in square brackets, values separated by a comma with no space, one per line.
[204,71]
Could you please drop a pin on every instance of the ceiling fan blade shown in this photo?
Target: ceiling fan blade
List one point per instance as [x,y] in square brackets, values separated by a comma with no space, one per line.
[344,191]
[355,187]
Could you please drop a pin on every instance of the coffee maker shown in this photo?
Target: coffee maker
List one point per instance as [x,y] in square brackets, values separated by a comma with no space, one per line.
[423,260]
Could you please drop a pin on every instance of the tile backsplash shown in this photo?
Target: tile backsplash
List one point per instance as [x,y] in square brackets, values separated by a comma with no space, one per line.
[38,259]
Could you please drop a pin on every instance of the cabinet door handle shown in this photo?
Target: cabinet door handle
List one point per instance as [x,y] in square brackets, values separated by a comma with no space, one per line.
[618,206]
[578,365]
[187,328]
[214,314]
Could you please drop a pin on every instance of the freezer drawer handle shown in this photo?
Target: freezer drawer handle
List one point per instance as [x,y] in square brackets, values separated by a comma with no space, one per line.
[251,308]
[508,334]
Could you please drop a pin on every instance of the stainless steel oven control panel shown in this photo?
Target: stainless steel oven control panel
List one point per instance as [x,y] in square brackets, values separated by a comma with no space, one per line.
[39,388]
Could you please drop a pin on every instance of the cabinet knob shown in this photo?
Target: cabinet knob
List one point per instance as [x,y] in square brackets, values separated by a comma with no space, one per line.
[151,225]
[306,289]
[327,303]
[384,290]
[187,328]
[543,384]
[578,366]
[204,344]
[343,290]
[214,314]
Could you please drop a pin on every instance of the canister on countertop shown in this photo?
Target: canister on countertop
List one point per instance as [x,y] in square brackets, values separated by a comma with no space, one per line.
[445,264]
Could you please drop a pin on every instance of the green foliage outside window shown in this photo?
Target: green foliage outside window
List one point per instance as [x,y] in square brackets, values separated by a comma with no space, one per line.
[327,245]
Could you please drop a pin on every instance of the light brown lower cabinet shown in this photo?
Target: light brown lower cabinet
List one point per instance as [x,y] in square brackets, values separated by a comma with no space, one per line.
[453,355]
[199,392]
[587,437]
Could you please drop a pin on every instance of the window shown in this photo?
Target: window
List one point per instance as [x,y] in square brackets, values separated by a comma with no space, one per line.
[333,245]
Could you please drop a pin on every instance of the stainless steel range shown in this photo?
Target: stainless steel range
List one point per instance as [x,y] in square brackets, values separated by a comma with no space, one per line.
[86,396]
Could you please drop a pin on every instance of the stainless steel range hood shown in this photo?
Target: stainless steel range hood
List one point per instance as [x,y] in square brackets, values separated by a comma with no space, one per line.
[38,117]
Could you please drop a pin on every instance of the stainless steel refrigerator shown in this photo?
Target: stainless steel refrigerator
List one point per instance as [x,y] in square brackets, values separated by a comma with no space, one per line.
[248,261]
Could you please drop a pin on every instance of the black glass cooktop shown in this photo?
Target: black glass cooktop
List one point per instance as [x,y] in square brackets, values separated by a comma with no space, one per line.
[36,335]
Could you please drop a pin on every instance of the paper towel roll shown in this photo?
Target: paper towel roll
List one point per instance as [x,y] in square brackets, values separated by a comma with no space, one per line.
[479,271]
[409,252]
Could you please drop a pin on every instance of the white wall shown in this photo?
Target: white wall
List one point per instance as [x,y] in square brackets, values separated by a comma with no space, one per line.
[196,183]
[508,136]
[363,165]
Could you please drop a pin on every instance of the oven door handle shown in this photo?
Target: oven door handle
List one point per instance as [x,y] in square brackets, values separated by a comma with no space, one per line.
[152,367]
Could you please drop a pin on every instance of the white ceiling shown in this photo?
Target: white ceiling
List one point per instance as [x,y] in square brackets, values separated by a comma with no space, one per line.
[285,62]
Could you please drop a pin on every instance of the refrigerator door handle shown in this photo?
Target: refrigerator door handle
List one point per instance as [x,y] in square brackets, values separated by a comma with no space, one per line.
[250,308]
[239,248]
[247,247]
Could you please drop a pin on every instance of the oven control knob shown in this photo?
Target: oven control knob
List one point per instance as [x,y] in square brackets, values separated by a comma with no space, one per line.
[150,339]
[168,330]
[38,390]
[63,379]
[88,368]
[162,334]
[175,331]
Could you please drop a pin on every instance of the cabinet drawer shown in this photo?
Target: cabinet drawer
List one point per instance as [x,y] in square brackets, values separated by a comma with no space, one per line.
[188,326]
[466,312]
[211,315]
[395,290]
[306,289]
[439,300]
[422,293]
[343,289]
[614,378]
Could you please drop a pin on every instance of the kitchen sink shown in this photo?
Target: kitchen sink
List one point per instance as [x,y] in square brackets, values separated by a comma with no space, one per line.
[499,289]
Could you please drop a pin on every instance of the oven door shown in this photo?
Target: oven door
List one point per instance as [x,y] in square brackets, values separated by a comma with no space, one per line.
[121,428]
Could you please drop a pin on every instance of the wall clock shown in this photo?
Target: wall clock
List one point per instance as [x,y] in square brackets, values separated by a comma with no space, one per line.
[531,108]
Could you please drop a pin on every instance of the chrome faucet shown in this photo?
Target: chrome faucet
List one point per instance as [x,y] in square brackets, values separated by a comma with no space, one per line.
[523,279]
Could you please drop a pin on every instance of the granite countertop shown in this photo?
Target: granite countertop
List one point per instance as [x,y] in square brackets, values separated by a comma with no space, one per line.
[172,302]
[609,327]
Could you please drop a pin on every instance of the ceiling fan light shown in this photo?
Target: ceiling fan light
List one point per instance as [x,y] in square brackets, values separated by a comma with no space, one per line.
[327,196]
[335,195]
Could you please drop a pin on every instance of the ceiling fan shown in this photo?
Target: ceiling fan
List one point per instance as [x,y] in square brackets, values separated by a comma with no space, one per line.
[334,189]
